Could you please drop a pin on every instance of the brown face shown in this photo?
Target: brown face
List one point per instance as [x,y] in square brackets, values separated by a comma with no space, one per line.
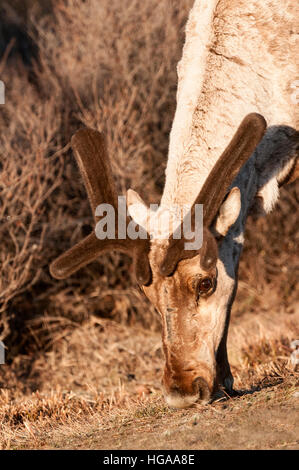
[191,290]
[193,321]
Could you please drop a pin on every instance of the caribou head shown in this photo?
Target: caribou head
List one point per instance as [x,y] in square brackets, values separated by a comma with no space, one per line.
[192,288]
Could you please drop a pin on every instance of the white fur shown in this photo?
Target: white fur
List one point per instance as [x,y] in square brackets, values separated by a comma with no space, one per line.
[179,401]
[239,57]
[191,74]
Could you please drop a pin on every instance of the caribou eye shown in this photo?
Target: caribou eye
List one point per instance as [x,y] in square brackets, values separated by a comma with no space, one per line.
[205,285]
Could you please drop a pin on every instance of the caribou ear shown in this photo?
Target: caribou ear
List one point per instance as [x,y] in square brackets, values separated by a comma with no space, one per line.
[137,208]
[229,212]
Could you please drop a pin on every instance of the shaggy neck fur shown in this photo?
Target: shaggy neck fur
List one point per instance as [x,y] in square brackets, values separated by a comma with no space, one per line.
[239,57]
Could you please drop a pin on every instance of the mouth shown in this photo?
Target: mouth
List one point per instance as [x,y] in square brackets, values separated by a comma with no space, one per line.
[175,400]
[201,395]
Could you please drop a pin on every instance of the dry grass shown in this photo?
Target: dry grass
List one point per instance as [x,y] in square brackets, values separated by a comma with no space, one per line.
[102,377]
[88,348]
[95,66]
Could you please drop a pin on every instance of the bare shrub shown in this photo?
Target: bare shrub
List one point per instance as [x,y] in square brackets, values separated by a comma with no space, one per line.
[110,65]
[27,179]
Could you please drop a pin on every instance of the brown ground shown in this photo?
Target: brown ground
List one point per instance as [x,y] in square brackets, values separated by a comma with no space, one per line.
[247,423]
[264,420]
[107,393]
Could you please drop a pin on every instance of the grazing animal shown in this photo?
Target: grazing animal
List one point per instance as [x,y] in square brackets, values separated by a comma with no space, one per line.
[238,65]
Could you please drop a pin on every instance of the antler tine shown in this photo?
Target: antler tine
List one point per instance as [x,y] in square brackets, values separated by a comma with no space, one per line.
[93,161]
[90,151]
[241,147]
[76,257]
[90,248]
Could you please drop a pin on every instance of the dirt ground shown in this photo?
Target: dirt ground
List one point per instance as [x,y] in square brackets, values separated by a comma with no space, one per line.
[263,420]
[116,402]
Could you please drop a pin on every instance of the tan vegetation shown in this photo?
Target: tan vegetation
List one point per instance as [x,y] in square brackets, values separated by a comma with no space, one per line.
[87,350]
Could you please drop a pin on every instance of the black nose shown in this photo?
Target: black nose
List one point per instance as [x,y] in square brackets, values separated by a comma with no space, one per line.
[202,389]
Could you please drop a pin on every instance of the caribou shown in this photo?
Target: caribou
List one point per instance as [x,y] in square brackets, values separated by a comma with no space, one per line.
[233,144]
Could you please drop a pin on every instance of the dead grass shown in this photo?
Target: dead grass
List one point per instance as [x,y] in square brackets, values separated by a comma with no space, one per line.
[103,378]
[88,349]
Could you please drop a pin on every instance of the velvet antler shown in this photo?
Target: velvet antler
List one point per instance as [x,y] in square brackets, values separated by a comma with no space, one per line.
[213,192]
[92,158]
